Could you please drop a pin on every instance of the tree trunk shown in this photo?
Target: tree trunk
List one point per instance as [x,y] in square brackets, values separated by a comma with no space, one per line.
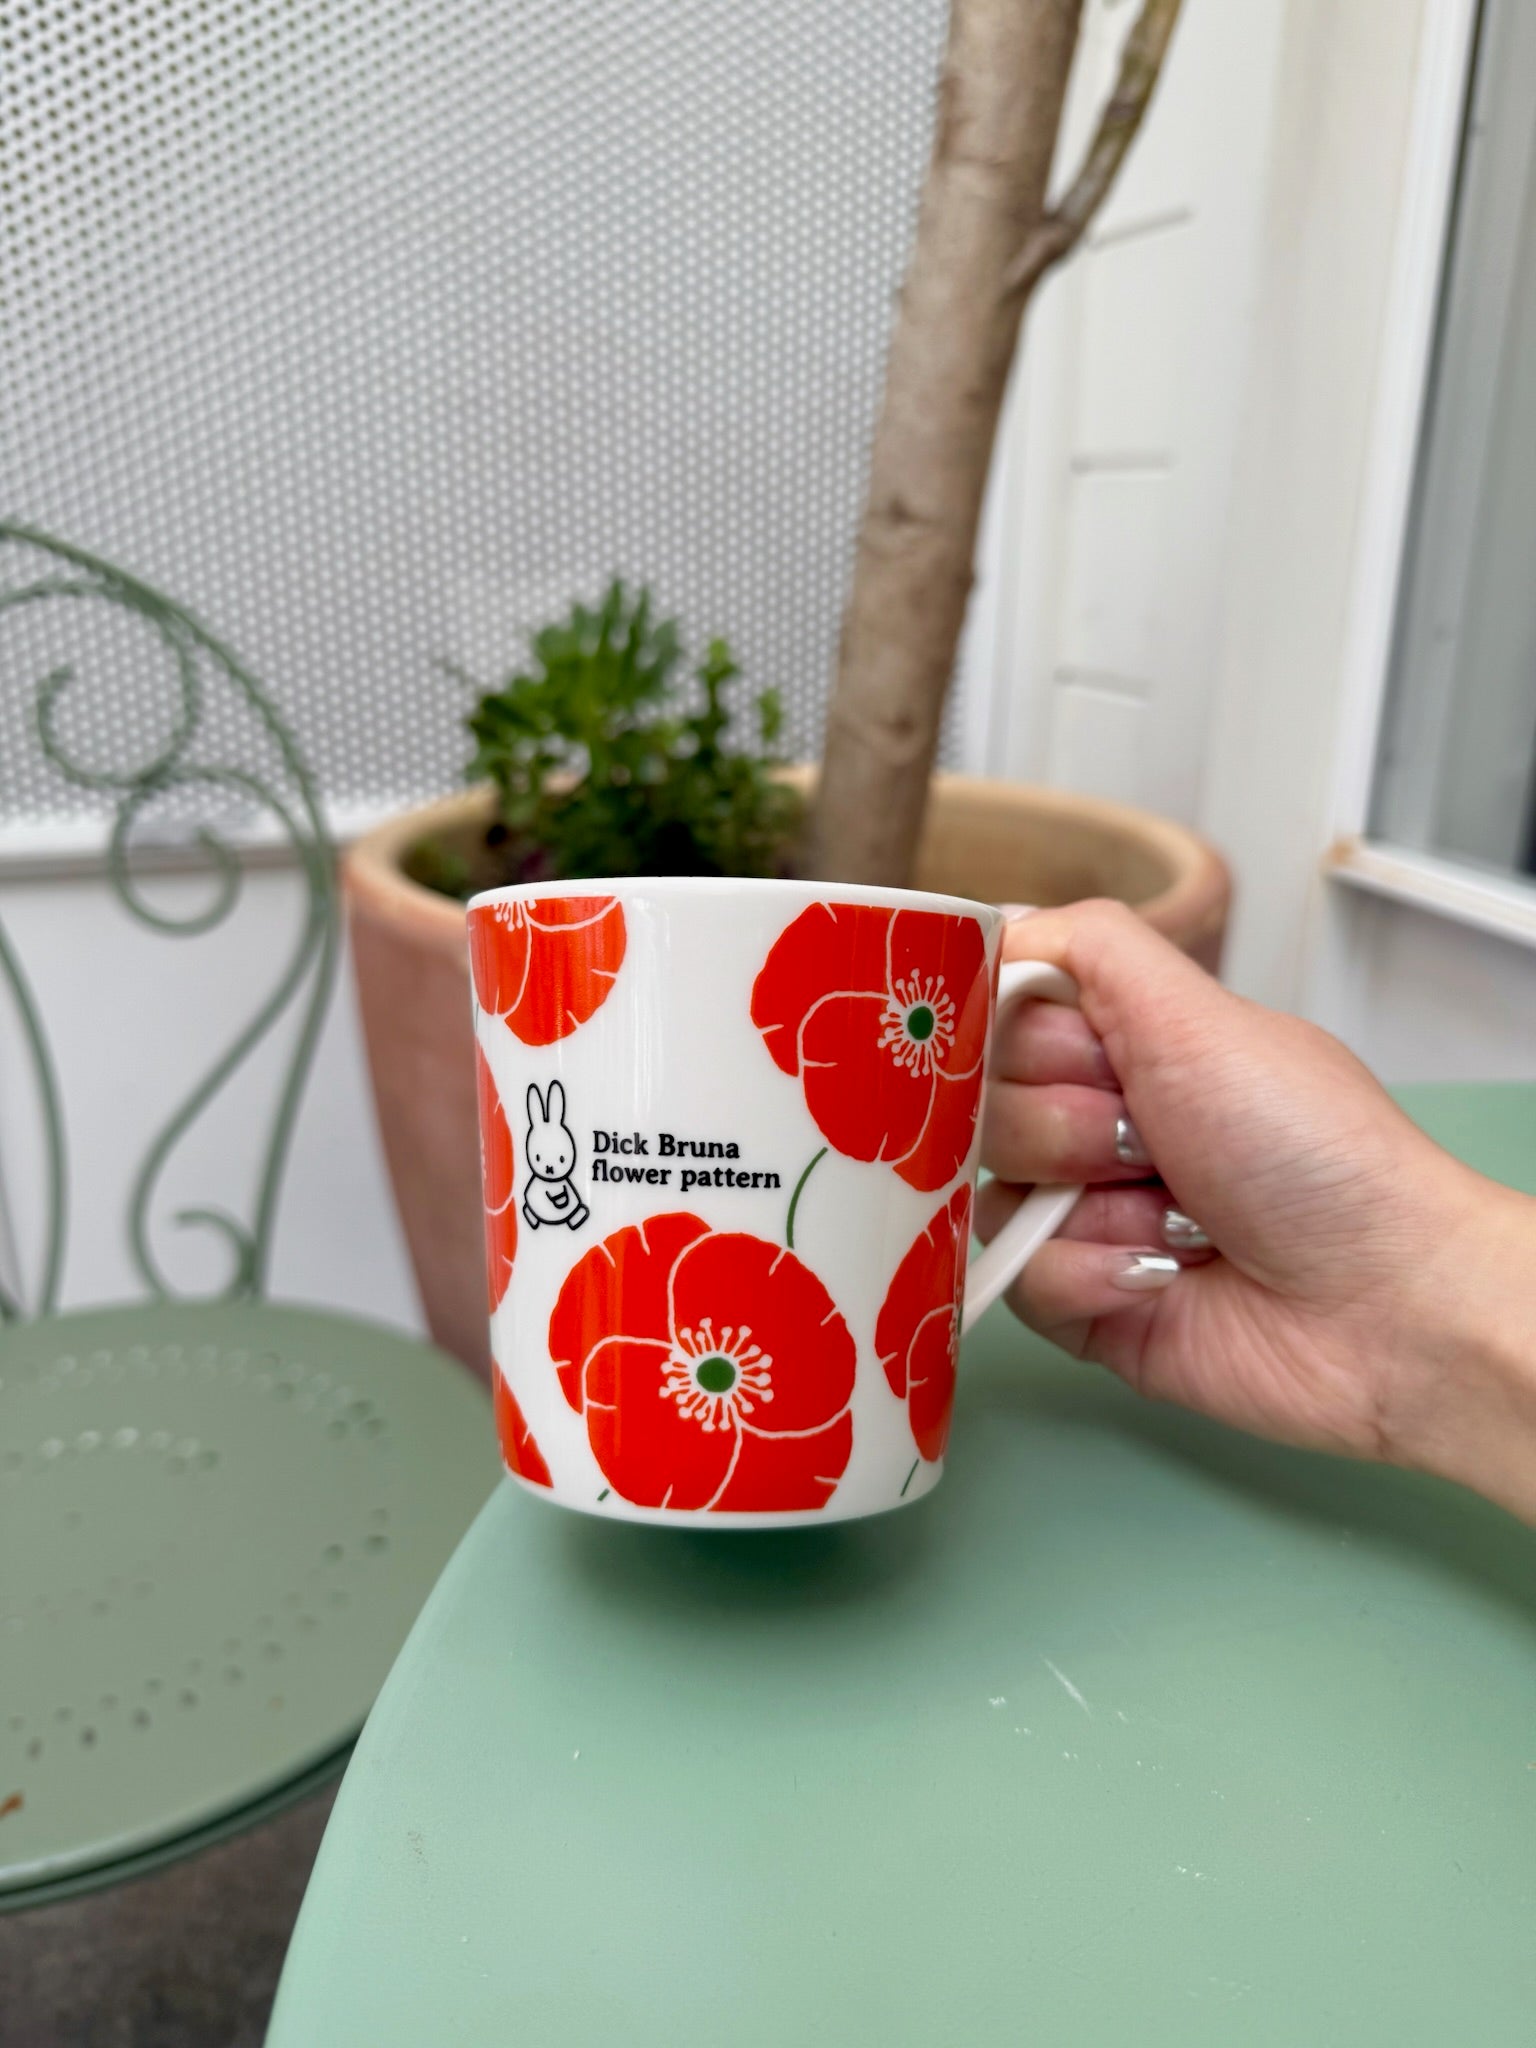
[985,237]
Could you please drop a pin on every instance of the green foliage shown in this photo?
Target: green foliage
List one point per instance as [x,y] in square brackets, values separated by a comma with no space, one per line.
[604,767]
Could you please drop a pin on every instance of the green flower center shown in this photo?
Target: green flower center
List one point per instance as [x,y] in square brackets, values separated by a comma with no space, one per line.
[715,1375]
[920,1022]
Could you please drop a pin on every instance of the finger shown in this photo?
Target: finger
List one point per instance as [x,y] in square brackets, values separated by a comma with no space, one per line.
[1041,1043]
[1060,1133]
[1141,995]
[1113,1216]
[1068,1291]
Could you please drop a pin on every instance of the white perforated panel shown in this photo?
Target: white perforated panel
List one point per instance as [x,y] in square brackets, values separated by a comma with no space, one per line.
[374,330]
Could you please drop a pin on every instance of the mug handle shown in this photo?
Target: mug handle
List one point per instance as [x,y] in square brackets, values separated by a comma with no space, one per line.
[1044,1209]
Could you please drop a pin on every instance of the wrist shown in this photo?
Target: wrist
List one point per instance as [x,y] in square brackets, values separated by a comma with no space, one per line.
[1469,1407]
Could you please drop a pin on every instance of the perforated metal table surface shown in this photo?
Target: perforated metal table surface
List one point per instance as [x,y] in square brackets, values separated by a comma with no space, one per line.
[1136,1730]
[216,1526]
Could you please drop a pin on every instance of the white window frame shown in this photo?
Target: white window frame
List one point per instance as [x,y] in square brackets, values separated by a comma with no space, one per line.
[1461,891]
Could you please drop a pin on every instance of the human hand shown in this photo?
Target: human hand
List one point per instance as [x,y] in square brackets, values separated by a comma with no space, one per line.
[1361,1291]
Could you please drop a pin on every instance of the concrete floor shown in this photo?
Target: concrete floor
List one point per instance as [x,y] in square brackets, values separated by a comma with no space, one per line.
[185,1958]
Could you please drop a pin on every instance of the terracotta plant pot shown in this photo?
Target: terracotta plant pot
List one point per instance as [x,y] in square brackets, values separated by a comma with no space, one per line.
[1000,842]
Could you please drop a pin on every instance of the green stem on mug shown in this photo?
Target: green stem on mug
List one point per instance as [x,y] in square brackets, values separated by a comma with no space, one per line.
[794,1200]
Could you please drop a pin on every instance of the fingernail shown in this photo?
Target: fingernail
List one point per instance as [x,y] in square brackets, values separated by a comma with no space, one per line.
[1146,1273]
[1129,1149]
[1012,912]
[1183,1232]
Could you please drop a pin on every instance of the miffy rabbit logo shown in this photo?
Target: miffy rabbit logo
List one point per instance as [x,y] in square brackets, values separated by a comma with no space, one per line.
[550,1196]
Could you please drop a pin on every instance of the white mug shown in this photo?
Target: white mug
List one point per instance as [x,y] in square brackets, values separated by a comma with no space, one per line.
[729,1138]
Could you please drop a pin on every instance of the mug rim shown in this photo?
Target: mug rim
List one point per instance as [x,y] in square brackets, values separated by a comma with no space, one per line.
[871,895]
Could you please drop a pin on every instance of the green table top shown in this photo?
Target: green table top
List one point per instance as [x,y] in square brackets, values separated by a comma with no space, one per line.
[1136,1730]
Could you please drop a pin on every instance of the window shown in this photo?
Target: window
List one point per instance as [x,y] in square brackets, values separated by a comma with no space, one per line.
[1456,772]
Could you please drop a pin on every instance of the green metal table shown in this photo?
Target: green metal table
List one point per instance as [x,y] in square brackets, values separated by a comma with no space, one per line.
[1136,1731]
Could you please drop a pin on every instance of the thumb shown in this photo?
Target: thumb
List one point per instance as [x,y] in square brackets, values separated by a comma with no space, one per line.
[1148,1003]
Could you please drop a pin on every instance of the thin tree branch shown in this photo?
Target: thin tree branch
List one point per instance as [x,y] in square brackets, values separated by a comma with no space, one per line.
[1060,228]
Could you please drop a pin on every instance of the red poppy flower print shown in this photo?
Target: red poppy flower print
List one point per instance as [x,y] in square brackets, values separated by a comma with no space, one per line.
[544,967]
[712,1368]
[519,1452]
[918,1333]
[882,1015]
[496,1174]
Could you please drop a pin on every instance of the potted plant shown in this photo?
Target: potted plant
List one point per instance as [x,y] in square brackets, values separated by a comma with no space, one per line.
[606,755]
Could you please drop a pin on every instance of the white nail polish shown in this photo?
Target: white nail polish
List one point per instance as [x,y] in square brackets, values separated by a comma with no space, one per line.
[1129,1149]
[1183,1232]
[1146,1273]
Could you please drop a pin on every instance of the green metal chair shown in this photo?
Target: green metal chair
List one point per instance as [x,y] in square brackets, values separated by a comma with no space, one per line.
[218,1516]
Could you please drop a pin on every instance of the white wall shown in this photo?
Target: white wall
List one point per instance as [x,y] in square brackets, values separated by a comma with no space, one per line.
[1344,96]
[1102,579]
[1187,527]
[1422,997]
[1365,93]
